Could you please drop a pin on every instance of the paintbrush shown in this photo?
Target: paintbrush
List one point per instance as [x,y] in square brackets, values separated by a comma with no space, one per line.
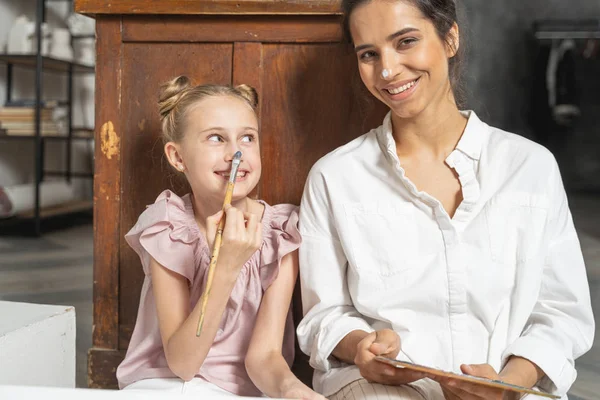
[235,163]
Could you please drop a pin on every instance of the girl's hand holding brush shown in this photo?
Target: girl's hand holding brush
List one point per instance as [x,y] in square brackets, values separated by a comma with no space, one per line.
[242,236]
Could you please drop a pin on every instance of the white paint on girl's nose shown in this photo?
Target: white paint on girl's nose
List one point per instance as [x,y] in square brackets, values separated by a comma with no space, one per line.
[386,73]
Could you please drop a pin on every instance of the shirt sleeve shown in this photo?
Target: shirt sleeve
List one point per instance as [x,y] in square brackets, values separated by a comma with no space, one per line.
[162,233]
[281,239]
[329,313]
[561,326]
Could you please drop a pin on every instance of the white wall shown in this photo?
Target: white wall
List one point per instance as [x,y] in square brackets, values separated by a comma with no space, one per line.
[16,156]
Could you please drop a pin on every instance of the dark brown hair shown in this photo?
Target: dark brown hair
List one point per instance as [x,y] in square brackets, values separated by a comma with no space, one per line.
[442,14]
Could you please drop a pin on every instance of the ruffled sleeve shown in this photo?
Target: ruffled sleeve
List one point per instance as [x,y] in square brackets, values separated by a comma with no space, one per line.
[281,237]
[164,232]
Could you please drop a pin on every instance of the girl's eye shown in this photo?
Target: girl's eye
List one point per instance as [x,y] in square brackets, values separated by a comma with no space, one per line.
[215,138]
[367,55]
[248,138]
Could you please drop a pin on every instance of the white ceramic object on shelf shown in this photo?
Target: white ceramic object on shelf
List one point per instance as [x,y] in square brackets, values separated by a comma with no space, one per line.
[81,25]
[60,116]
[22,37]
[85,49]
[18,37]
[21,198]
[61,44]
[46,39]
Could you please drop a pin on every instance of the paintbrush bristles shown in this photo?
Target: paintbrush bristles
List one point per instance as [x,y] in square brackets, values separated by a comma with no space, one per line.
[235,163]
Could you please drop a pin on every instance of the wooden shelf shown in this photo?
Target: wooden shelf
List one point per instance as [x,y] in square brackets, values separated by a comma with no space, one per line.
[4,136]
[48,63]
[79,133]
[67,208]
[196,7]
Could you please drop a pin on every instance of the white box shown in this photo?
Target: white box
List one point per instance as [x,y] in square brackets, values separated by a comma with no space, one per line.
[37,344]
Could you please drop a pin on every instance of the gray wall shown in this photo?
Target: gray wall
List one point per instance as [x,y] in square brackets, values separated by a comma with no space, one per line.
[500,56]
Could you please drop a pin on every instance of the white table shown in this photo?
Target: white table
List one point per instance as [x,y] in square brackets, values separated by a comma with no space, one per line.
[54,393]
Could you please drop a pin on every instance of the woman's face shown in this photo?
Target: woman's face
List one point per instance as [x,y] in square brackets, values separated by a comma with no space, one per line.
[395,36]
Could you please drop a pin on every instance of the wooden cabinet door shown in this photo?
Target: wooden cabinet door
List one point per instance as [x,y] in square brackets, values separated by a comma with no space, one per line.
[145,170]
[309,105]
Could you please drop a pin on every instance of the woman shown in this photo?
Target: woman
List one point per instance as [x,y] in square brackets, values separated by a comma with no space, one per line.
[435,238]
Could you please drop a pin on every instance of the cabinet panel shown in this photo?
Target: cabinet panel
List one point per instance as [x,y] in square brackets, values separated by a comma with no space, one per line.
[312,103]
[145,171]
[261,28]
[107,185]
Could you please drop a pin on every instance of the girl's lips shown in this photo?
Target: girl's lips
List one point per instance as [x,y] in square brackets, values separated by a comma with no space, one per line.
[241,175]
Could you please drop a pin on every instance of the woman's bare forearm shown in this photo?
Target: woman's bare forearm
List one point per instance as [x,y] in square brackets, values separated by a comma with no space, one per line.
[522,372]
[345,351]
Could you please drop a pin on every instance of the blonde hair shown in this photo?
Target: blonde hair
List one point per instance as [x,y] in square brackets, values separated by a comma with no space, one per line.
[179,94]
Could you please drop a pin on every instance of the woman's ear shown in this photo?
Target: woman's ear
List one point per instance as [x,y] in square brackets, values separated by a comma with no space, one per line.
[174,156]
[452,41]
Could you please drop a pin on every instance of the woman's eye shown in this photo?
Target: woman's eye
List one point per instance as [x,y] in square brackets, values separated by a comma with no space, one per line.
[367,55]
[407,42]
[248,138]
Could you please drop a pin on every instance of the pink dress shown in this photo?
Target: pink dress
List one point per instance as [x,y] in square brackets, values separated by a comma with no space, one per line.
[167,231]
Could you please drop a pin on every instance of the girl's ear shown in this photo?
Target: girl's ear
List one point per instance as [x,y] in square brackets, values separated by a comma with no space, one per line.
[174,156]
[452,41]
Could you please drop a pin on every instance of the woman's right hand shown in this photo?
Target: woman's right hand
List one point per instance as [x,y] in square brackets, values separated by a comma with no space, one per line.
[386,343]
[242,236]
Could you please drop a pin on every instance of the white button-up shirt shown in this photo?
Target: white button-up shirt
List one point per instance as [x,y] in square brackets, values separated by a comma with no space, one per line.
[505,276]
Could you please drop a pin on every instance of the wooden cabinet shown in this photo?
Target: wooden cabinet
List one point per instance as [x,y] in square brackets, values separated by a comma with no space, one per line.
[291,52]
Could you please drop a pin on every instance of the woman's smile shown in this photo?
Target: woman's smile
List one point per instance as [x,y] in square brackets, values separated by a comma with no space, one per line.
[402,90]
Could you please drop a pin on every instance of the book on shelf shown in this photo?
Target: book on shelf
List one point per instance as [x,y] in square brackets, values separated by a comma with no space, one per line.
[27,103]
[24,113]
[20,121]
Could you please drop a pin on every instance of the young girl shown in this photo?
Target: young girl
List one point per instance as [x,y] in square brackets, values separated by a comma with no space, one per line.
[246,343]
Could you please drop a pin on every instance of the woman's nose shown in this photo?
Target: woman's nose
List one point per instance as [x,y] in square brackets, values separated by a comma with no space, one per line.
[389,66]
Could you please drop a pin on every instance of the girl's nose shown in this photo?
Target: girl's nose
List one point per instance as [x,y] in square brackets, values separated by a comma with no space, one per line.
[231,150]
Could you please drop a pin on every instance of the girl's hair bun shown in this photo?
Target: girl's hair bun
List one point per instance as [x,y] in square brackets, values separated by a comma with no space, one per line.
[248,93]
[171,94]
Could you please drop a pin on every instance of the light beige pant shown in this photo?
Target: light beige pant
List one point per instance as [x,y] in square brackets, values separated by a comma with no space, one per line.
[423,389]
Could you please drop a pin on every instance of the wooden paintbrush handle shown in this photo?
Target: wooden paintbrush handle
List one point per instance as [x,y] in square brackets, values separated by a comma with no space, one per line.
[211,273]
[213,259]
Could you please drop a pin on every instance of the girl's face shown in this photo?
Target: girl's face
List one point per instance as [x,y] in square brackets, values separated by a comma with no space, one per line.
[394,35]
[216,128]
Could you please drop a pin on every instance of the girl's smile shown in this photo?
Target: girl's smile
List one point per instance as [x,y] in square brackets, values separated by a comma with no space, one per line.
[241,174]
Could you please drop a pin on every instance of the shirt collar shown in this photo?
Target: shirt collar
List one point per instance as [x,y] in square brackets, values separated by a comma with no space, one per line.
[470,143]
[472,139]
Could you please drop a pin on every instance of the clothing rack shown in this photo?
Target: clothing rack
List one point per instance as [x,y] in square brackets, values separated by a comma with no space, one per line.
[567,29]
